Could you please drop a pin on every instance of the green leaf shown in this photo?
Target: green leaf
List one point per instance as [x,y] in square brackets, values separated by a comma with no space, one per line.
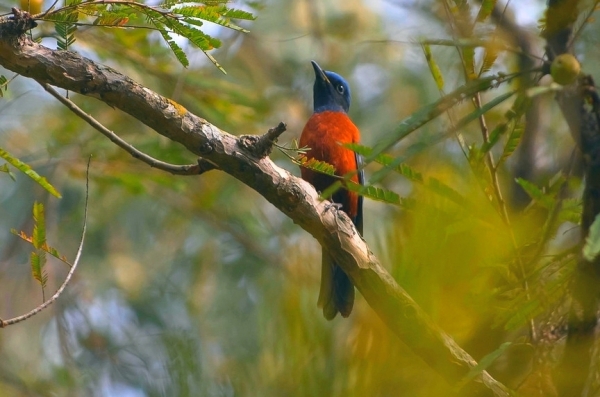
[38,239]
[111,19]
[39,229]
[37,262]
[428,113]
[469,62]
[526,311]
[65,28]
[316,165]
[375,193]
[514,124]
[570,211]
[201,40]
[446,191]
[24,168]
[405,170]
[386,160]
[491,54]
[220,15]
[536,193]
[485,363]
[494,137]
[177,51]
[50,250]
[512,142]
[436,73]
[592,241]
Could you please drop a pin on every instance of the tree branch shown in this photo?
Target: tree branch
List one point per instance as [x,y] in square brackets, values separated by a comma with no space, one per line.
[294,197]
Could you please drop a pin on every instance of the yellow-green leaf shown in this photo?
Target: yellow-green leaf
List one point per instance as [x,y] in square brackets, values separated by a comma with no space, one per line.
[27,170]
[436,73]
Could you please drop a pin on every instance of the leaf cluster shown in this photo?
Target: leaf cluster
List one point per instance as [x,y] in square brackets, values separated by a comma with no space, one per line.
[172,19]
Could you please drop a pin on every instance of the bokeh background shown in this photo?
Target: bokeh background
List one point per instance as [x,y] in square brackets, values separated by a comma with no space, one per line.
[197,286]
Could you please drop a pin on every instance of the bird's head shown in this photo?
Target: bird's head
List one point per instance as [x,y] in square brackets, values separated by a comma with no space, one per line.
[330,92]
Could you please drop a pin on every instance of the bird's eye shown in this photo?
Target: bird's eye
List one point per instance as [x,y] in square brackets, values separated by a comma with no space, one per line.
[340,89]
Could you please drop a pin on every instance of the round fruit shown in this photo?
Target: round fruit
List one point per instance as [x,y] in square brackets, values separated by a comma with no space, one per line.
[564,69]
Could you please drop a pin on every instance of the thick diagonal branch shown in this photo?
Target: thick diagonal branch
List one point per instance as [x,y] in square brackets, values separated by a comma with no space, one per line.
[293,196]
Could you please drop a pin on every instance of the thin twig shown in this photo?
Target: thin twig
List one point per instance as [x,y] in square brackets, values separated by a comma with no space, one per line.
[131,4]
[489,160]
[189,169]
[58,293]
[5,85]
[585,22]
[460,139]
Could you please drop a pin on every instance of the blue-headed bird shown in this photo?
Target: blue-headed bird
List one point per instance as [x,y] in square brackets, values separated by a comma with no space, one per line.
[328,128]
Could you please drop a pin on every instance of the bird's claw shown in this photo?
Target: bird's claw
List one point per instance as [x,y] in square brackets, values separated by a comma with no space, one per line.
[336,206]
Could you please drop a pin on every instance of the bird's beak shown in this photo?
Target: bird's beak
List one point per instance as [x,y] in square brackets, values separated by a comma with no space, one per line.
[319,73]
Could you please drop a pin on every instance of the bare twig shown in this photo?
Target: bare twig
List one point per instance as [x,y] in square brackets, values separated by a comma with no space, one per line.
[491,166]
[189,169]
[455,29]
[261,146]
[58,293]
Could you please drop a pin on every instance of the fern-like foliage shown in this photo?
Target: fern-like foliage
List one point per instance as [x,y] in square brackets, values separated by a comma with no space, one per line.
[38,256]
[316,165]
[513,126]
[65,28]
[27,170]
[181,18]
[369,191]
[378,194]
[45,247]
[432,184]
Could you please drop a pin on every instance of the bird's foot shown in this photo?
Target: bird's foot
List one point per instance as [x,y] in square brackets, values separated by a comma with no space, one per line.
[336,206]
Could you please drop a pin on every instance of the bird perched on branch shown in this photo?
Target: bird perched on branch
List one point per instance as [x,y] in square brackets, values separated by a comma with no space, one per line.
[325,131]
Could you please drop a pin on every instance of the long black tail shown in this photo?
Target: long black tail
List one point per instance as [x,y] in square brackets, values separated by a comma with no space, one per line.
[337,292]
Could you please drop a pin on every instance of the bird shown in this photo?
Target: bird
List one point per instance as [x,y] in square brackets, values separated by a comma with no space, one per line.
[328,127]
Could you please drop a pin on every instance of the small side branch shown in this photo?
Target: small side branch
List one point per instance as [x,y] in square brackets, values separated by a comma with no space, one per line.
[188,169]
[262,146]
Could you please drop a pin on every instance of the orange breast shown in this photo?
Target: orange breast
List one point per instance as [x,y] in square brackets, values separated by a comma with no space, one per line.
[323,134]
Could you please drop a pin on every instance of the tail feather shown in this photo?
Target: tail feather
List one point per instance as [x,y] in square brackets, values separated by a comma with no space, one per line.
[337,291]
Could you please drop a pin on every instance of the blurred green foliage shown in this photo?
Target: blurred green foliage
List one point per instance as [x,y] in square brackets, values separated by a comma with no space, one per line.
[196,286]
